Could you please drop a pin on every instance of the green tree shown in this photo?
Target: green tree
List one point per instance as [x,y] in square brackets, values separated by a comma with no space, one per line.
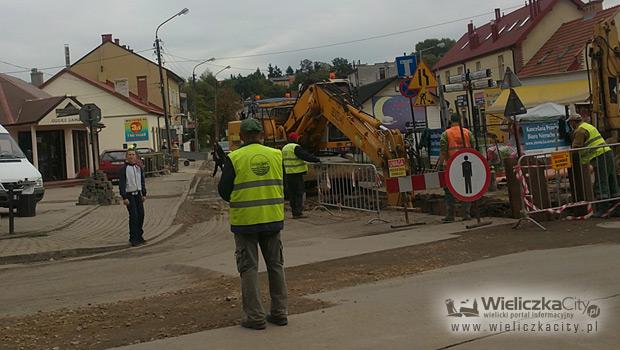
[290,71]
[342,67]
[434,49]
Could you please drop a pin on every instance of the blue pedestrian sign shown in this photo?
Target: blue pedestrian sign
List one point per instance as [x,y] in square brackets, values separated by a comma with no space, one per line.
[406,66]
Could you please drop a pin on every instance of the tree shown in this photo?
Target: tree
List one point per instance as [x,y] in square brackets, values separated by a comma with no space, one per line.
[342,67]
[270,71]
[290,71]
[433,51]
[306,66]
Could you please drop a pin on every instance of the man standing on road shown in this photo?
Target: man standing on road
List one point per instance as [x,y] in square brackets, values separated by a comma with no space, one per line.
[295,158]
[451,142]
[252,182]
[600,157]
[131,186]
[218,155]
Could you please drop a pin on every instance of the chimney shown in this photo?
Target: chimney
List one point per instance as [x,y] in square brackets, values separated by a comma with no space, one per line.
[470,28]
[498,15]
[592,7]
[117,41]
[494,31]
[36,77]
[67,56]
[530,6]
[105,38]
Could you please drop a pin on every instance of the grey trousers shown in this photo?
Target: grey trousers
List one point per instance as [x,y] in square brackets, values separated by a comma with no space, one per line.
[246,254]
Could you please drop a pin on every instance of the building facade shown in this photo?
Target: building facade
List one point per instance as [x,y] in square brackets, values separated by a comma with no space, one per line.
[111,61]
[508,41]
[370,73]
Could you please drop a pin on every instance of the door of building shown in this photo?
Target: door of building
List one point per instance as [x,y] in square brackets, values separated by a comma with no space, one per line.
[80,153]
[51,155]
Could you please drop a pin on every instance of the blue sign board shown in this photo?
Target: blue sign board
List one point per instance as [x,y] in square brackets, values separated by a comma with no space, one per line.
[542,137]
[403,87]
[435,141]
[406,66]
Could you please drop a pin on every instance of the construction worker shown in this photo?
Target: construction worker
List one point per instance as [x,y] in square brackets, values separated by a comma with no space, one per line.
[295,158]
[252,182]
[599,156]
[451,142]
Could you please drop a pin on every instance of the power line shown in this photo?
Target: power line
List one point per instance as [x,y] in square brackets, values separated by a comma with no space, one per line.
[374,37]
[14,65]
[63,66]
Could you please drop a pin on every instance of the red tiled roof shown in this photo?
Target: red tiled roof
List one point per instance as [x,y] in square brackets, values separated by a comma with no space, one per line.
[14,94]
[109,87]
[512,28]
[563,52]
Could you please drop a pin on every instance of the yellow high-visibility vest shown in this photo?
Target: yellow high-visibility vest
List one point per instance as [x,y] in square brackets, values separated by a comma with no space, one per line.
[258,193]
[292,163]
[594,139]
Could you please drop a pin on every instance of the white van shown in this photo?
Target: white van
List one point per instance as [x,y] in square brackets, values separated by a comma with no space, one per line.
[15,167]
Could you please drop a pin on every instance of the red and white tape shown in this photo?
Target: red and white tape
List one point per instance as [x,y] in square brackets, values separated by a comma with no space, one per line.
[525,196]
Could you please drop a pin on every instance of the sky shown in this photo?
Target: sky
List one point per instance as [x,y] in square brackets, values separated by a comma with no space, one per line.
[244,34]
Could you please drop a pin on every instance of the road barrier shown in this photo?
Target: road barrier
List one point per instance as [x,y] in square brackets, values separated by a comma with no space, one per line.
[352,186]
[572,180]
[153,163]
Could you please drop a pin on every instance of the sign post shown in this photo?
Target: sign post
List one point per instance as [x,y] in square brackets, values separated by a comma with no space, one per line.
[468,177]
[90,115]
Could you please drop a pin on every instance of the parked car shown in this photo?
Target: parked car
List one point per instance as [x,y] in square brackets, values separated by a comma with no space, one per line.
[111,162]
[144,150]
[15,167]
[224,146]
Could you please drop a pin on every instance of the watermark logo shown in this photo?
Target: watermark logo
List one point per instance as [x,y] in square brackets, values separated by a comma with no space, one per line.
[531,314]
[464,310]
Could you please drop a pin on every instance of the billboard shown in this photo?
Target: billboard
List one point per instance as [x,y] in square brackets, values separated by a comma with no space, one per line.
[395,111]
[136,130]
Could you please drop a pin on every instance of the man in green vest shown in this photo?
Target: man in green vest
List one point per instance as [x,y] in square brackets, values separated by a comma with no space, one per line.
[252,182]
[598,155]
[295,158]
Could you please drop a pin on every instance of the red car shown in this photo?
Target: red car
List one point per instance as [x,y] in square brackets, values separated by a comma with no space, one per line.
[111,162]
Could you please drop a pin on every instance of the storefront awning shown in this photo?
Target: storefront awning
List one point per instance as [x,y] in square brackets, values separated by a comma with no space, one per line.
[561,93]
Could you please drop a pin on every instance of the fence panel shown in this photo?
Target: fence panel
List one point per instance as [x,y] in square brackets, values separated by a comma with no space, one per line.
[352,186]
[153,163]
[584,180]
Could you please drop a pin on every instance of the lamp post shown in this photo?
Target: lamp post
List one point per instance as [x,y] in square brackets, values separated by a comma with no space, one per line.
[195,113]
[161,77]
[215,118]
[441,44]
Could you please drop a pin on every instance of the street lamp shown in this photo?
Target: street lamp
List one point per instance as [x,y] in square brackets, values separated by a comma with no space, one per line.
[441,45]
[215,118]
[196,100]
[161,77]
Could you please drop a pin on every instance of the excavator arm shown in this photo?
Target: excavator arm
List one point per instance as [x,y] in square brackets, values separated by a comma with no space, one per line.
[605,56]
[324,103]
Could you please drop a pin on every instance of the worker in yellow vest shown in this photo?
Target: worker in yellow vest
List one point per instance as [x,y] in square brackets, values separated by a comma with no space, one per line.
[598,155]
[452,140]
[294,161]
[252,182]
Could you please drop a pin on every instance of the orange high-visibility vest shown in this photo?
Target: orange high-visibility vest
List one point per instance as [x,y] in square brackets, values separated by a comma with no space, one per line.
[455,140]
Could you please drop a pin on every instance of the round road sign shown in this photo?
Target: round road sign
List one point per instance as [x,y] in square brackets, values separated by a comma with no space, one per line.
[404,89]
[468,175]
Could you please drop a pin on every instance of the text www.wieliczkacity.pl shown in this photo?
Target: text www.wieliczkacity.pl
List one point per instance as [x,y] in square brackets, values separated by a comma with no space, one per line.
[526,327]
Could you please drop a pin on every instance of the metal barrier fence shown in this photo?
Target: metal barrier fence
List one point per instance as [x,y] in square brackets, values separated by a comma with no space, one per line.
[349,185]
[154,163]
[581,180]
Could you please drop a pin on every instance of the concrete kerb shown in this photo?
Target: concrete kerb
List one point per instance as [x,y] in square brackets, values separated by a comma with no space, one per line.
[86,253]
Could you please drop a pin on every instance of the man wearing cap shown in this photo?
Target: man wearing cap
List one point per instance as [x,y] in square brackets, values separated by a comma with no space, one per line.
[295,158]
[599,156]
[452,140]
[252,182]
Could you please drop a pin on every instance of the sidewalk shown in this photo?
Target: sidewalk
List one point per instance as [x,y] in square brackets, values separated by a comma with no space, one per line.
[62,228]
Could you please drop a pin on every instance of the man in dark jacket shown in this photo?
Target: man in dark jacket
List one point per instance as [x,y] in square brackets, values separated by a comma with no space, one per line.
[294,159]
[132,188]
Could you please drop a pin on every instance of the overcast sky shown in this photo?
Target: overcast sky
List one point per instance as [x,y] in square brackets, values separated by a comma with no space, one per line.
[34,32]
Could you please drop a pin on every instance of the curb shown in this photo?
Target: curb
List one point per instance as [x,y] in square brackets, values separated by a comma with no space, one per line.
[70,221]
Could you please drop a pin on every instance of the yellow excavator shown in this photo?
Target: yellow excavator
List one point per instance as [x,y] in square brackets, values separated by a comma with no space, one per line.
[309,115]
[605,58]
